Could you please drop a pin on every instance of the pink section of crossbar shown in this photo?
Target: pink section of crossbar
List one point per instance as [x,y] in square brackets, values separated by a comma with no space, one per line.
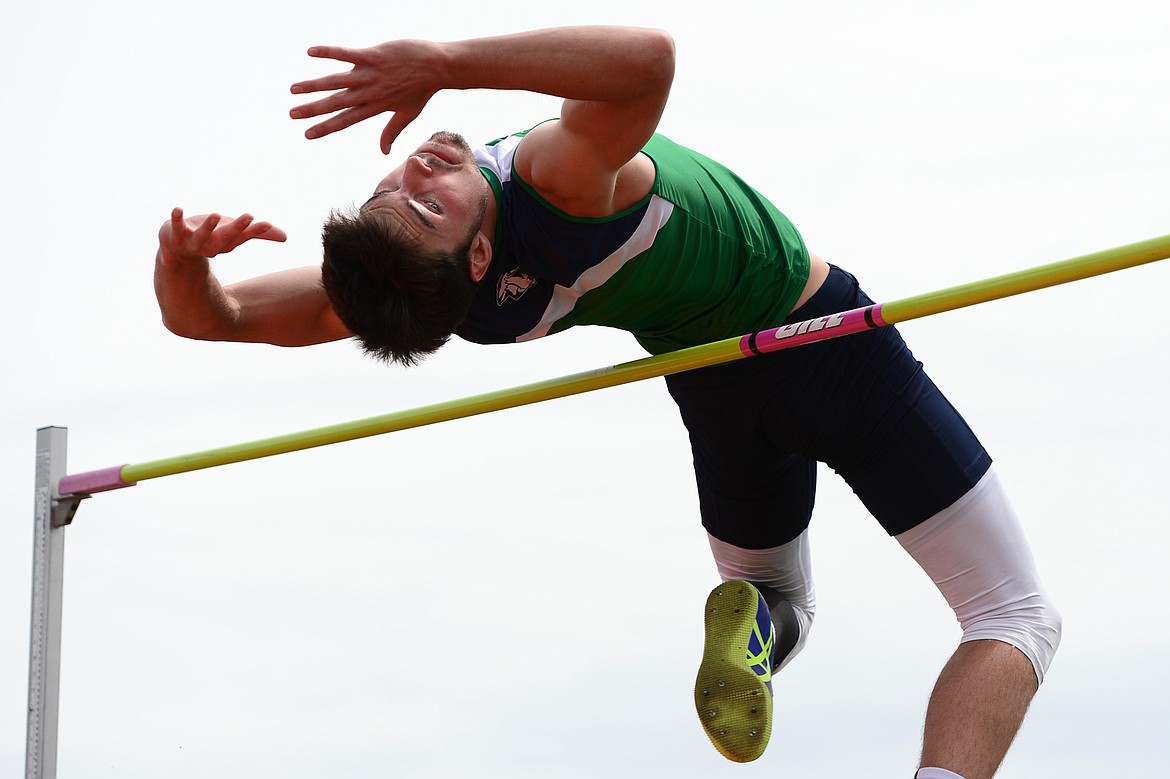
[93,481]
[819,329]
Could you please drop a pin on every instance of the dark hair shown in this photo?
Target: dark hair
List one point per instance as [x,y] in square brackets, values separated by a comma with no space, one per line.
[402,302]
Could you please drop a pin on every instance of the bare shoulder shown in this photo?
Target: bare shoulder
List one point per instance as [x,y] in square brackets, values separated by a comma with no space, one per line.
[573,175]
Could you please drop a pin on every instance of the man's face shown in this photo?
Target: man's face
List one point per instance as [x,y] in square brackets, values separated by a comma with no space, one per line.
[437,196]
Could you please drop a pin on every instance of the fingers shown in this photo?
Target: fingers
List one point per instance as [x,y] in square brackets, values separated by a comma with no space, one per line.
[394,128]
[178,225]
[231,234]
[346,118]
[269,232]
[342,53]
[325,105]
[352,115]
[383,79]
[204,231]
[336,80]
[328,83]
[348,106]
[243,229]
[212,235]
[236,234]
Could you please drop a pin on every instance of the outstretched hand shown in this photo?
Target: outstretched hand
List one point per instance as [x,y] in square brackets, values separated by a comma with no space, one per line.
[398,77]
[207,235]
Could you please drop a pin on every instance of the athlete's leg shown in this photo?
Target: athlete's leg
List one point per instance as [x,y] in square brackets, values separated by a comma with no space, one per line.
[783,575]
[976,553]
[976,708]
[768,622]
[754,624]
[914,462]
[862,405]
[756,501]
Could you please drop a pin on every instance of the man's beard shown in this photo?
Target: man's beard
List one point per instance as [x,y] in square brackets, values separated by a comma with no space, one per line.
[455,141]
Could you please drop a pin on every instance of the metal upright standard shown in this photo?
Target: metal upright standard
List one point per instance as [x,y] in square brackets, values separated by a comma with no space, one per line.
[51,514]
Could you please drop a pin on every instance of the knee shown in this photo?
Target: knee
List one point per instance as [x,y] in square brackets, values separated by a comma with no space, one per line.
[1030,623]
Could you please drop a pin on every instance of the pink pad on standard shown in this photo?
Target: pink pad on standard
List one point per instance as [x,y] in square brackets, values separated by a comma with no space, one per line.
[93,481]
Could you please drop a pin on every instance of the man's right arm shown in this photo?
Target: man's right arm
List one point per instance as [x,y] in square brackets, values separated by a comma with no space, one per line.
[287,308]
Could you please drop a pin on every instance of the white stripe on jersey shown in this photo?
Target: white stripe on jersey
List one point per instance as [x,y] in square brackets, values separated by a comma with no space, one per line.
[498,158]
[564,299]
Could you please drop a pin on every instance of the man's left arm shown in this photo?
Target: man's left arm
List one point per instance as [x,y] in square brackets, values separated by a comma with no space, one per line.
[615,82]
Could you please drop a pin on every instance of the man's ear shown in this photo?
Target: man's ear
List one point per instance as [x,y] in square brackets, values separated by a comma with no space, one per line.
[480,255]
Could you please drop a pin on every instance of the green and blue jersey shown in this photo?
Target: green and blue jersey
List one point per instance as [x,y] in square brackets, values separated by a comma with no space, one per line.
[701,258]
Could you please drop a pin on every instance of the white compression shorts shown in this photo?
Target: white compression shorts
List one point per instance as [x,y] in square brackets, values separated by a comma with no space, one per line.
[974,551]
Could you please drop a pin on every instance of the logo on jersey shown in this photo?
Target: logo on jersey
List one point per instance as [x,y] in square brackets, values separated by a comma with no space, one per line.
[512,286]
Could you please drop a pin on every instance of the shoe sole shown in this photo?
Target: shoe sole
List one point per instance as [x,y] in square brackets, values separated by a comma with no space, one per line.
[733,703]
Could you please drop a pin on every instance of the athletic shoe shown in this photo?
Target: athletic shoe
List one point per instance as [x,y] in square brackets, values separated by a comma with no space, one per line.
[733,690]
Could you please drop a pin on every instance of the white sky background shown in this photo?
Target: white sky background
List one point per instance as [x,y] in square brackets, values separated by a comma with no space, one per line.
[519,594]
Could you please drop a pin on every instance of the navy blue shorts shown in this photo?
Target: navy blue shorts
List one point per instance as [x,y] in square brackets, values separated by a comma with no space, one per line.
[860,404]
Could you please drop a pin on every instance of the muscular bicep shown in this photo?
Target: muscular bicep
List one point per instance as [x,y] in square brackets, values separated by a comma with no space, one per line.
[287,308]
[608,134]
[579,158]
[587,173]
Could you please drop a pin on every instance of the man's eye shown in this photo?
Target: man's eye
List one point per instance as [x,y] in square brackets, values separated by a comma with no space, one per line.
[433,206]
